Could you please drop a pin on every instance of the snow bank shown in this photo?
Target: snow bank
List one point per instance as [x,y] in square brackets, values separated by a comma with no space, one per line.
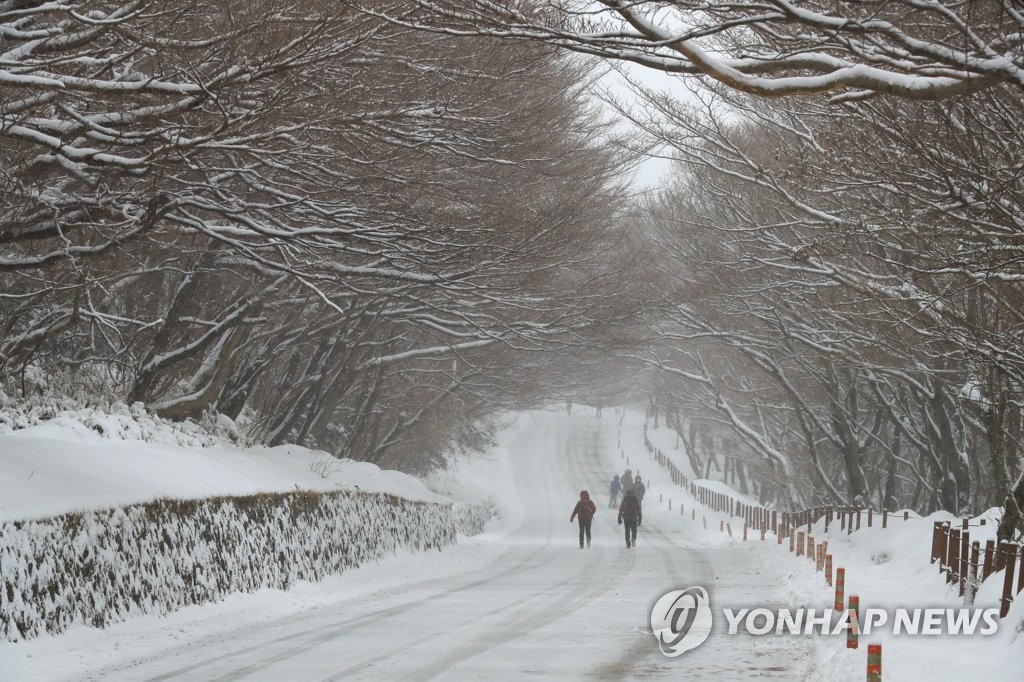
[86,459]
[481,480]
[187,516]
[102,567]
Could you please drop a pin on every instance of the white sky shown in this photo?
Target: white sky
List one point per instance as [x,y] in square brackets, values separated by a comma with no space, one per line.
[651,173]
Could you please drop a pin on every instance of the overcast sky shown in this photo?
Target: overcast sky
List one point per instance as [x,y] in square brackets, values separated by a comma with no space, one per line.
[651,173]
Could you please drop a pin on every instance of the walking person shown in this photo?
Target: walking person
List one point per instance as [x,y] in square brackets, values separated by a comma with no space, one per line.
[615,490]
[585,510]
[627,480]
[630,516]
[639,489]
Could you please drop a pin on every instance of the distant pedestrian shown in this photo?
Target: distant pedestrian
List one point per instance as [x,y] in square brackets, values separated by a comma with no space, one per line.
[585,510]
[615,490]
[627,480]
[630,515]
[639,489]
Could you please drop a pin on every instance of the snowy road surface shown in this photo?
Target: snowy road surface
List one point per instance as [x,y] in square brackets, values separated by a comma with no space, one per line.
[542,609]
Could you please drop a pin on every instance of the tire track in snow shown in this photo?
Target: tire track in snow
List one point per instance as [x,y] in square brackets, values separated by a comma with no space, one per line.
[332,630]
[557,600]
[519,621]
[325,634]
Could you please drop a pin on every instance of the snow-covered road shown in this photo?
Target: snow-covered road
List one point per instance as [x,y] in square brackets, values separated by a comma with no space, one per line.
[542,608]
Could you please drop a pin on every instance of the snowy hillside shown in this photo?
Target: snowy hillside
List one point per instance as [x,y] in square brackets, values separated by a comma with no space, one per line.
[86,459]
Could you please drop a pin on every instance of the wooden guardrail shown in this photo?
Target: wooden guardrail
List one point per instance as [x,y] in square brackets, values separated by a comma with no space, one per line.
[964,563]
[967,566]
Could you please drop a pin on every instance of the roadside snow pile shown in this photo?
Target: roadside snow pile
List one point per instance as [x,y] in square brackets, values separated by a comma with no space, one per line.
[168,534]
[65,465]
[115,421]
[102,567]
[480,485]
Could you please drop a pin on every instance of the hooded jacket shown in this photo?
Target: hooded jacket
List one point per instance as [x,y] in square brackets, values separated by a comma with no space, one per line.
[585,508]
[629,508]
[627,480]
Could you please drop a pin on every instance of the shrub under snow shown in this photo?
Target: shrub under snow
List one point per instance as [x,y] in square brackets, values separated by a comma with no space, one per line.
[472,519]
[101,567]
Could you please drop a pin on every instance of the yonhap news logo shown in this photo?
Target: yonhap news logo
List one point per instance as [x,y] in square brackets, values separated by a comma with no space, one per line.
[681,620]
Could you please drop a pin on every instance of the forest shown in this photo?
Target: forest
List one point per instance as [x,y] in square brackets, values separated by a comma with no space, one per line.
[374,228]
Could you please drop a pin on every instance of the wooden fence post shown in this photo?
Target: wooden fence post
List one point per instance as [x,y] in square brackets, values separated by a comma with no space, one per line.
[963,552]
[1009,552]
[989,564]
[972,574]
[840,588]
[953,555]
[937,552]
[1020,574]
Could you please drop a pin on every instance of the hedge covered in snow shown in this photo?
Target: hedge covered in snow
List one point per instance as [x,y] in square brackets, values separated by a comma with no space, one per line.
[472,519]
[102,567]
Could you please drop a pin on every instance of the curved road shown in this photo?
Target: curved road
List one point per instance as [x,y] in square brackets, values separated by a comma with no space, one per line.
[544,609]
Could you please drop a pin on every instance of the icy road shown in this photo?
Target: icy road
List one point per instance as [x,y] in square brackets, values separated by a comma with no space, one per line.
[541,609]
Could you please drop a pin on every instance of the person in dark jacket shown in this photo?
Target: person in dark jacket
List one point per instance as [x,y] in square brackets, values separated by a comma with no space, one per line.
[630,515]
[615,490]
[627,480]
[585,510]
[639,489]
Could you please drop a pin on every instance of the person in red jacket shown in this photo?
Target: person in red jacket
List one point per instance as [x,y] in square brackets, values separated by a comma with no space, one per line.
[585,510]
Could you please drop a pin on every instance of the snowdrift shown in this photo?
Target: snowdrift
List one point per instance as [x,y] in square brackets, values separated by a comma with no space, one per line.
[186,517]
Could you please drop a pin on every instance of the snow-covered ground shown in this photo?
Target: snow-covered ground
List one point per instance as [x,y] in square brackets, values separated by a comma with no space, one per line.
[89,460]
[887,568]
[522,601]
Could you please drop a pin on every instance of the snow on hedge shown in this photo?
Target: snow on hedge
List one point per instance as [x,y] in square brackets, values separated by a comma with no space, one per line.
[100,567]
[472,519]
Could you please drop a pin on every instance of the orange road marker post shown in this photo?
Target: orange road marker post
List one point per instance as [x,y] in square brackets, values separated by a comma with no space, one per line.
[874,662]
[853,631]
